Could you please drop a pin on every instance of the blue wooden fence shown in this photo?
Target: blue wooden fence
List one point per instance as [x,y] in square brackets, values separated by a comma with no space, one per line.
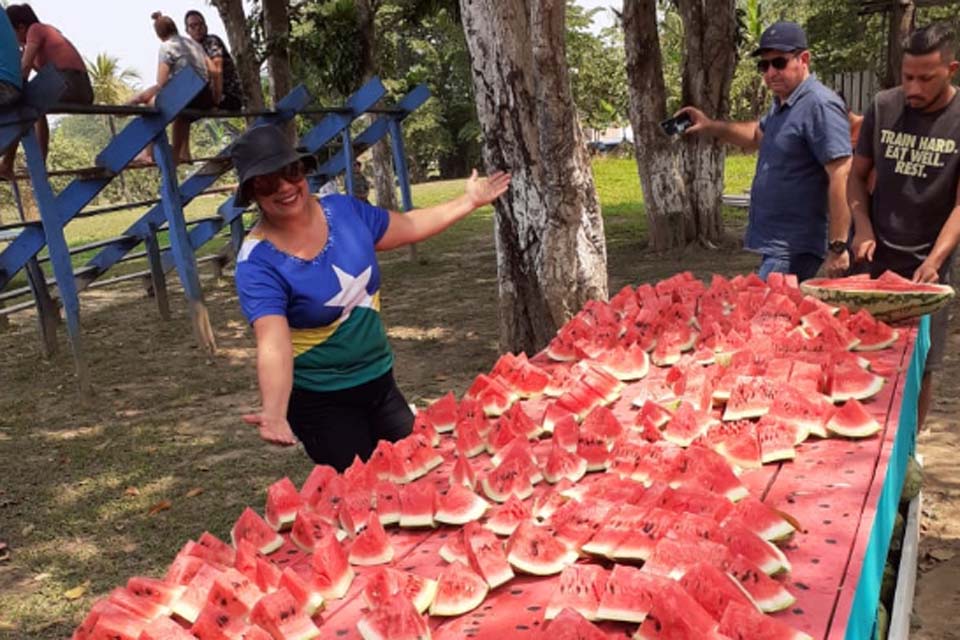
[26,239]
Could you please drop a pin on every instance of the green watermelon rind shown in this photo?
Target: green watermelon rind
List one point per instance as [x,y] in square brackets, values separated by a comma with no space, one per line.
[883,305]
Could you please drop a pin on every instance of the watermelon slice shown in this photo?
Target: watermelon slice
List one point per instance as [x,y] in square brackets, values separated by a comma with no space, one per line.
[625,520]
[468,437]
[140,607]
[371,547]
[386,582]
[595,449]
[442,414]
[686,425]
[486,555]
[454,548]
[396,618]
[387,499]
[576,523]
[655,413]
[214,622]
[309,599]
[581,587]
[743,622]
[639,543]
[160,591]
[853,421]
[873,334]
[256,567]
[506,480]
[751,397]
[777,439]
[417,504]
[628,594]
[383,461]
[740,539]
[214,550]
[766,522]
[847,381]
[188,606]
[630,363]
[354,509]
[737,442]
[714,589]
[802,410]
[505,518]
[308,527]
[671,557]
[699,502]
[534,550]
[279,615]
[676,614]
[570,625]
[234,592]
[767,593]
[332,573]
[459,506]
[563,465]
[463,473]
[163,629]
[459,590]
[566,432]
[254,529]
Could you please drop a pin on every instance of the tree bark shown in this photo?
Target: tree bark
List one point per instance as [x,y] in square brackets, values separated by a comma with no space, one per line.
[241,48]
[276,31]
[901,22]
[551,252]
[659,158]
[710,30]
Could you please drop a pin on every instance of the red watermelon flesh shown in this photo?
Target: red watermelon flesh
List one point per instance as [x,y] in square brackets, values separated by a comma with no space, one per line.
[279,615]
[443,413]
[520,451]
[137,606]
[533,549]
[386,582]
[853,421]
[696,501]
[308,597]
[160,591]
[371,547]
[319,476]
[795,407]
[163,629]
[629,594]
[395,619]
[676,615]
[383,461]
[505,518]
[459,506]
[387,501]
[873,334]
[580,399]
[459,590]
[618,526]
[777,439]
[709,471]
[606,385]
[217,551]
[743,622]
[234,592]
[206,553]
[454,548]
[183,568]
[570,625]
[326,502]
[576,523]
[562,464]
[283,501]
[654,412]
[424,427]
[566,433]
[686,425]
[740,539]
[468,437]
[188,606]
[751,397]
[671,557]
[769,594]
[99,608]
[355,507]
[510,478]
[766,522]
[554,414]
[580,588]
[117,626]
[463,472]
[417,504]
[502,434]
[714,589]
[214,623]
[805,377]
[848,381]
[561,349]
[638,543]
[630,363]
[601,421]
[522,423]
[332,573]
[308,527]
[486,555]
[528,380]
[737,442]
[595,449]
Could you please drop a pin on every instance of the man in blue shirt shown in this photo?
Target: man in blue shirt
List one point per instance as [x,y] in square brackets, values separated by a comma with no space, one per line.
[798,208]
[11,82]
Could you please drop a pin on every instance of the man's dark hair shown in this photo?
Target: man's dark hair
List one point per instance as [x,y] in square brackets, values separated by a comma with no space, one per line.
[193,12]
[934,37]
[21,15]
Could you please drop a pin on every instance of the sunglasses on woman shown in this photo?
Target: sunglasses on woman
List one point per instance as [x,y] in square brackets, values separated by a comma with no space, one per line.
[779,63]
[269,184]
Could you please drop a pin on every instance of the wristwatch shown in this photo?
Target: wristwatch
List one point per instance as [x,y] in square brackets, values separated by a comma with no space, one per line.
[837,247]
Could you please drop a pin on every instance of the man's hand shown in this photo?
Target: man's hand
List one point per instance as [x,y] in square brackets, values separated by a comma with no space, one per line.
[928,272]
[701,123]
[864,245]
[837,264]
[274,429]
[483,191]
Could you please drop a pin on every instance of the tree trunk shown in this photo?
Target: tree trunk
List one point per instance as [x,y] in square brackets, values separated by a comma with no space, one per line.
[710,30]
[551,252]
[276,31]
[901,23]
[659,158]
[241,47]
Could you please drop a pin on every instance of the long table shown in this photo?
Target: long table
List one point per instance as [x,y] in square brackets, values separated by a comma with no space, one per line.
[844,493]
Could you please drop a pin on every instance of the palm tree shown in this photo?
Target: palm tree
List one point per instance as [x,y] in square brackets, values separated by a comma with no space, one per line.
[111,84]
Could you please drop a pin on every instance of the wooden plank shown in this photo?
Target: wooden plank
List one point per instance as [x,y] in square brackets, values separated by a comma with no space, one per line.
[158,279]
[906,573]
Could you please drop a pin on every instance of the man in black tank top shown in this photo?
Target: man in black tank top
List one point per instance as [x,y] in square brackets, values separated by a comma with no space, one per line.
[910,224]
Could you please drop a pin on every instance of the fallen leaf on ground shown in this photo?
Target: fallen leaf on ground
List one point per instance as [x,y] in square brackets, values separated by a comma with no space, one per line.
[203,467]
[40,577]
[942,554]
[163,505]
[193,493]
[27,530]
[131,492]
[77,592]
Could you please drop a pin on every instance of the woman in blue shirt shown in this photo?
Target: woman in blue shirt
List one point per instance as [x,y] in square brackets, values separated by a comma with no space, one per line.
[309,283]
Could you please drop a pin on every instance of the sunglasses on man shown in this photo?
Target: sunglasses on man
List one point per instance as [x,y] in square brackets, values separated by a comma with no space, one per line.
[267,185]
[779,63]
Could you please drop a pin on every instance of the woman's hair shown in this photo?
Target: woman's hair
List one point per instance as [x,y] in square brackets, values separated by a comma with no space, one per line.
[21,15]
[163,25]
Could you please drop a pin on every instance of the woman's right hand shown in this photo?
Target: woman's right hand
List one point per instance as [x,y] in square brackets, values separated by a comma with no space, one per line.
[273,429]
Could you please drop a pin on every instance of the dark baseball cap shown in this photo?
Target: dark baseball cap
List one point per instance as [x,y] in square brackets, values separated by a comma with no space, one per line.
[782,36]
[263,150]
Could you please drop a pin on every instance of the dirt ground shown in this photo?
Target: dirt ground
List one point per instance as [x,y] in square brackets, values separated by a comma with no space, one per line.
[95,489]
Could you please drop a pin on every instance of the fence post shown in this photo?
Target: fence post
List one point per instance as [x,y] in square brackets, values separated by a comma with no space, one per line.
[158,279]
[401,170]
[347,159]
[180,247]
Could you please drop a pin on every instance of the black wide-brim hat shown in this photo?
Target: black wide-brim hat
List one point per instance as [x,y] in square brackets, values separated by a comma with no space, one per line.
[263,150]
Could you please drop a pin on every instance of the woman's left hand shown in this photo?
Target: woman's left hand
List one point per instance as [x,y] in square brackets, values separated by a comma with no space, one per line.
[483,191]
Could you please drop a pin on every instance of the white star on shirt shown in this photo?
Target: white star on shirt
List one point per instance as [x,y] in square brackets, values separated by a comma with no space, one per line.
[353,291]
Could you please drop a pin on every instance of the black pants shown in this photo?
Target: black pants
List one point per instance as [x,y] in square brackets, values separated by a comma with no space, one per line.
[335,426]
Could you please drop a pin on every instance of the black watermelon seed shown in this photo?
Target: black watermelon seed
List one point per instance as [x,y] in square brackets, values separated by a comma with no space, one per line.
[516,592]
[828,522]
[798,611]
[522,627]
[815,560]
[801,586]
[342,632]
[534,608]
[830,541]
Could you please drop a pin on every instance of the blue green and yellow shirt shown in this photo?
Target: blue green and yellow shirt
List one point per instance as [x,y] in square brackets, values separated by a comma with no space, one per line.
[332,303]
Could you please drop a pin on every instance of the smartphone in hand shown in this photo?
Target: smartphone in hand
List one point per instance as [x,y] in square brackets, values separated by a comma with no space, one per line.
[676,126]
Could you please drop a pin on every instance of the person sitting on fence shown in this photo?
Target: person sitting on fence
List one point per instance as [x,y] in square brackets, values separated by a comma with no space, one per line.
[224,79]
[176,53]
[11,80]
[309,283]
[44,44]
